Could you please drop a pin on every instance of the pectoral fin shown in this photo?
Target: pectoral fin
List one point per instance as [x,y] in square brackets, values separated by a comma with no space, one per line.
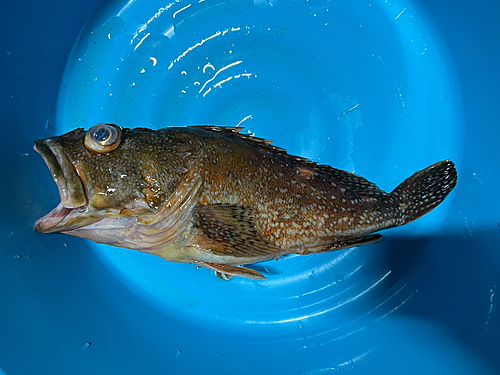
[230,230]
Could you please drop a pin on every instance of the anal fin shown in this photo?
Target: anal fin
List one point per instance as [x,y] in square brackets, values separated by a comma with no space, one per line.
[358,241]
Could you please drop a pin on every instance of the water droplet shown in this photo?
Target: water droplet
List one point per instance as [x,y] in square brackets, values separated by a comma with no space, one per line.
[86,345]
[8,53]
[178,353]
[300,324]
[352,364]
[216,354]
[339,278]
[25,154]
[17,256]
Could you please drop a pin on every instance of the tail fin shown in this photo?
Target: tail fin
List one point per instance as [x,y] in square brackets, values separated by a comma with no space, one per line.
[426,189]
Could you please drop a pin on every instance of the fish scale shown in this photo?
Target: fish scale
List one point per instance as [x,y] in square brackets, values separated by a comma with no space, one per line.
[288,195]
[219,198]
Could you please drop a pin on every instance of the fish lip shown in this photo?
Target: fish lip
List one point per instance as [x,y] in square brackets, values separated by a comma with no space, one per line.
[69,183]
[54,220]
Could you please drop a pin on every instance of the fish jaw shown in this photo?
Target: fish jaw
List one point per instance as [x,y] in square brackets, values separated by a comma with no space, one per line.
[64,219]
[50,222]
[64,174]
[68,213]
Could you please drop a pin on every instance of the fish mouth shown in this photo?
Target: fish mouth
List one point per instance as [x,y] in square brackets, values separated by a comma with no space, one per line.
[69,183]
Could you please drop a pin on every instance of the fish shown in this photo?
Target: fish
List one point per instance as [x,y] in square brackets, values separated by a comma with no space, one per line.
[219,198]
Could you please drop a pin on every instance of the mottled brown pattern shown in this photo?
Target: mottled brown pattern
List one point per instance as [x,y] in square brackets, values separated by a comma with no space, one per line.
[239,199]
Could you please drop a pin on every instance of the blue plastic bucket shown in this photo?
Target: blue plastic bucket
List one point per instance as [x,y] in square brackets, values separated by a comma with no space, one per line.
[381,88]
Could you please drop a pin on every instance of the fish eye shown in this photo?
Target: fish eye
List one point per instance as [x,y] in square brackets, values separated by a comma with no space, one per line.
[103,138]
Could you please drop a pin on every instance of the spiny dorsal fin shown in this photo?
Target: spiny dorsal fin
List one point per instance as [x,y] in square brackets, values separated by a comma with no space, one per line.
[258,142]
[227,129]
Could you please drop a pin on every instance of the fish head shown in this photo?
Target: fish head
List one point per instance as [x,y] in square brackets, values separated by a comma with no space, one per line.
[99,176]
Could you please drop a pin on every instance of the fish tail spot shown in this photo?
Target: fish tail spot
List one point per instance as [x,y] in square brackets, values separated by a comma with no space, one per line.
[425,190]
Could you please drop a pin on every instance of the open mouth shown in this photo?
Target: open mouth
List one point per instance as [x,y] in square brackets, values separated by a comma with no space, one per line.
[70,187]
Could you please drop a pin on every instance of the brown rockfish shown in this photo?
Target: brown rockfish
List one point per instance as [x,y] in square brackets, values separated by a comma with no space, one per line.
[215,197]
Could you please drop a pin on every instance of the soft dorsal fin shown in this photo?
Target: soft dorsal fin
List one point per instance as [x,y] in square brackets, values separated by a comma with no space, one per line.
[352,182]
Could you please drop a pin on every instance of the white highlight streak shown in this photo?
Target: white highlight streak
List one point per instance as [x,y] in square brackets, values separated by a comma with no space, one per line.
[180,10]
[193,47]
[246,118]
[142,40]
[219,71]
[399,15]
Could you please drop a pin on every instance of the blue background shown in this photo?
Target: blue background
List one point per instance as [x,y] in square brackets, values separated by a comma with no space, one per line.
[382,89]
